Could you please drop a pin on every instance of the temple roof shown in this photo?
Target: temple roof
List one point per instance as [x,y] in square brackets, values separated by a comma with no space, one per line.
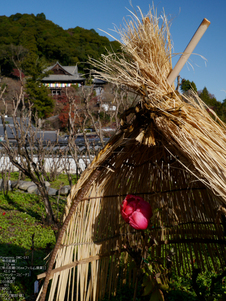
[63,74]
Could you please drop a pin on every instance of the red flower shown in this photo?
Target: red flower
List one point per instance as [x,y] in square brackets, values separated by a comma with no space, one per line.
[136,212]
[3,213]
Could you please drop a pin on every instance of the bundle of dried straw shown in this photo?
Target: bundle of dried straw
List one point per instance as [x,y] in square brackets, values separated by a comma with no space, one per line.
[172,153]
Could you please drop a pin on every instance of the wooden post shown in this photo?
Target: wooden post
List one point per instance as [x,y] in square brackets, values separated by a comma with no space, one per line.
[188,51]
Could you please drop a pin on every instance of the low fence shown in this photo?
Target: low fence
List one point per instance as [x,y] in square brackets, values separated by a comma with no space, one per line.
[59,164]
[57,158]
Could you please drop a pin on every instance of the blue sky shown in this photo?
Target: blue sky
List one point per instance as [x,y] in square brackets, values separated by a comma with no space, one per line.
[186,15]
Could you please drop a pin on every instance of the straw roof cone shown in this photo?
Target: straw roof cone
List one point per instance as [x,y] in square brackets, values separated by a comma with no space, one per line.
[170,151]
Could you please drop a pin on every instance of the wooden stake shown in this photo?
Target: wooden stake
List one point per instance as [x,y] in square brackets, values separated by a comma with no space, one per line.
[188,51]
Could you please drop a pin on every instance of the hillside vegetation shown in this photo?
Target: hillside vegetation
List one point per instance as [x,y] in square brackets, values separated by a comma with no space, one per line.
[44,39]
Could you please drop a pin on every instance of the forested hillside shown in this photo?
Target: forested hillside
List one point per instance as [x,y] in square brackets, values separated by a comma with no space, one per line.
[44,39]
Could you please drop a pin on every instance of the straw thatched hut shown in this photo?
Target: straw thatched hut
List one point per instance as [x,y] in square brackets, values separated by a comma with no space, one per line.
[169,151]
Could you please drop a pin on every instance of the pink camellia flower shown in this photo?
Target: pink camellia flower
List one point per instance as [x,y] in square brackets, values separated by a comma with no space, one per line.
[136,212]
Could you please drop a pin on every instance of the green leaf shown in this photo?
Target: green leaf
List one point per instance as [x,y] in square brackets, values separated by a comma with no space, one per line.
[149,285]
[157,295]
[146,279]
[164,287]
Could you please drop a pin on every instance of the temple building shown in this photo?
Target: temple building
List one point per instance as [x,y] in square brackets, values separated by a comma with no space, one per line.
[61,77]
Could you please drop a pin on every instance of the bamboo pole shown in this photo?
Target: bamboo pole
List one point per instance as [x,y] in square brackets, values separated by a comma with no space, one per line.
[188,51]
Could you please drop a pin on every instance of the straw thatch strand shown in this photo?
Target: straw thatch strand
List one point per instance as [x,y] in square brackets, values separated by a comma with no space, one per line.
[145,61]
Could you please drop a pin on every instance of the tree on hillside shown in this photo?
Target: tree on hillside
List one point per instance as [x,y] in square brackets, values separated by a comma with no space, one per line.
[204,95]
[186,85]
[209,99]
[218,107]
[223,110]
[41,16]
[45,39]
[36,92]
[11,56]
[15,62]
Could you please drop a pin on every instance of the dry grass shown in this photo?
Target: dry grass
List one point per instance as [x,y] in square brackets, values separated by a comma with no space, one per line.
[145,67]
[171,153]
[145,61]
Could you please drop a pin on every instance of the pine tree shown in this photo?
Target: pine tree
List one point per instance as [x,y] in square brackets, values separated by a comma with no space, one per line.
[186,85]
[37,93]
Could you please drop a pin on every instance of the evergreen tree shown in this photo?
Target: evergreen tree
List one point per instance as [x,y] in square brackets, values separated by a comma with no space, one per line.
[11,57]
[223,110]
[186,85]
[37,93]
[204,95]
[193,85]
[41,16]
[45,39]
[218,107]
